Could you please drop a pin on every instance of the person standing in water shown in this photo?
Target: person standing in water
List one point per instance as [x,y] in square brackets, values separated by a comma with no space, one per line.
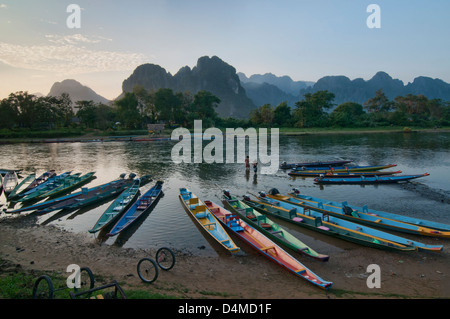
[247,163]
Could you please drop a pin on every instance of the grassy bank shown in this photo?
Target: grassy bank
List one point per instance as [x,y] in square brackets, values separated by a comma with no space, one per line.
[74,134]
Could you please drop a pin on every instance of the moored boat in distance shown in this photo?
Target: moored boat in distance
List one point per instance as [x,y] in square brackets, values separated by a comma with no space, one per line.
[342,169]
[264,245]
[139,208]
[269,228]
[206,220]
[361,180]
[325,164]
[347,174]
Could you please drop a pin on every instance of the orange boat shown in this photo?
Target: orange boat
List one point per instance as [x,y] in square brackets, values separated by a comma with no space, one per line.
[264,245]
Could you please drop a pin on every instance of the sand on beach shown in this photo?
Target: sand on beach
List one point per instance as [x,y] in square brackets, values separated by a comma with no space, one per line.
[247,275]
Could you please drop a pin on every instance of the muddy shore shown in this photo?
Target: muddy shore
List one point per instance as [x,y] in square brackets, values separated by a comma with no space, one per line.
[247,275]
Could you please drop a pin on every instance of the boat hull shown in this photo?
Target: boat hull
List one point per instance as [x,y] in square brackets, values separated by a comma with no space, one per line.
[144,204]
[356,231]
[117,207]
[264,245]
[206,220]
[379,218]
[369,180]
[270,229]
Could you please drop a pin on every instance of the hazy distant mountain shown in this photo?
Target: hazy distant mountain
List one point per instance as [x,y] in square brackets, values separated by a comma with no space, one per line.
[210,74]
[284,83]
[271,89]
[359,90]
[76,91]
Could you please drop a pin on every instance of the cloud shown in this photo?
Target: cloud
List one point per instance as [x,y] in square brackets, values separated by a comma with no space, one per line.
[63,56]
[3,6]
[75,39]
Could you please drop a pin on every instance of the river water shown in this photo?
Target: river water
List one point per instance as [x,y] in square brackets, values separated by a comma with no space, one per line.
[169,225]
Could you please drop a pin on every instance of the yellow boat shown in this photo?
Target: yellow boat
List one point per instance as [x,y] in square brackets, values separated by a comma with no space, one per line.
[206,220]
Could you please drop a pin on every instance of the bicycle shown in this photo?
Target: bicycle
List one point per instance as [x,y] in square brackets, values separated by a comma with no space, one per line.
[147,268]
[44,289]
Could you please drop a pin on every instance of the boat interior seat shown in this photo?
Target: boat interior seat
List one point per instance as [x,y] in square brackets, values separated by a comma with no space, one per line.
[193,201]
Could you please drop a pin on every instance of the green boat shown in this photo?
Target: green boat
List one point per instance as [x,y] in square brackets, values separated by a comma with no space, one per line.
[345,229]
[269,228]
[45,187]
[70,183]
[27,180]
[341,210]
[85,197]
[120,205]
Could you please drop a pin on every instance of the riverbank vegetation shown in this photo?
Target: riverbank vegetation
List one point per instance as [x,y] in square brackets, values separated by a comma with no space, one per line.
[24,115]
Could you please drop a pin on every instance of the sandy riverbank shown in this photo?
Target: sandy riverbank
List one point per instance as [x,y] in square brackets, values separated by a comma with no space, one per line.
[245,276]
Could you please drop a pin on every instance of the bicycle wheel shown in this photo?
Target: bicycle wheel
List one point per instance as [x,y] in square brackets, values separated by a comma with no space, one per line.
[165,258]
[87,280]
[43,288]
[147,270]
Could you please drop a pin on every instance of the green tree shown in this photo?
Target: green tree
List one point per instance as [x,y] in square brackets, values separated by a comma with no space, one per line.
[379,103]
[347,114]
[282,115]
[8,115]
[203,107]
[167,104]
[128,111]
[310,112]
[263,115]
[87,113]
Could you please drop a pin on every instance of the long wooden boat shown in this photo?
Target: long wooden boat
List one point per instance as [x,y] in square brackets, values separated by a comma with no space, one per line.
[348,213]
[264,245]
[85,197]
[347,174]
[41,179]
[10,182]
[6,171]
[48,187]
[206,220]
[361,180]
[269,228]
[355,168]
[337,227]
[140,207]
[70,183]
[25,181]
[346,169]
[376,217]
[325,164]
[117,207]
[50,183]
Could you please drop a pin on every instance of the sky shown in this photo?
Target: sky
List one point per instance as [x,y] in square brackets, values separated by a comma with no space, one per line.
[305,40]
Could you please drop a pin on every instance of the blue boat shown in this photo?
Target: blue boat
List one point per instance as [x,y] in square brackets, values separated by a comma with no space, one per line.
[118,206]
[48,185]
[325,164]
[332,222]
[79,199]
[361,180]
[439,229]
[348,213]
[139,208]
